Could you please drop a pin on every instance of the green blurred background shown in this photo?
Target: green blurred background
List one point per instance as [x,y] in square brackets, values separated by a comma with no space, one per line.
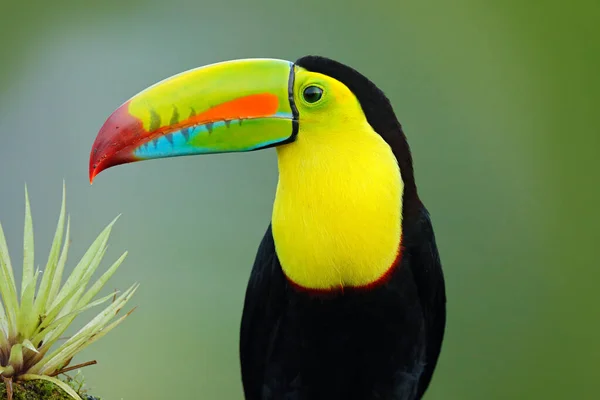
[500,104]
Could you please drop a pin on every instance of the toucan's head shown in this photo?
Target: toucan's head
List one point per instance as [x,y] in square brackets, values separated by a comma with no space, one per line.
[345,170]
[246,105]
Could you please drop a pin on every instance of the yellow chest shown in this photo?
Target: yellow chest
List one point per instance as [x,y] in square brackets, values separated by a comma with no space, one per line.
[337,212]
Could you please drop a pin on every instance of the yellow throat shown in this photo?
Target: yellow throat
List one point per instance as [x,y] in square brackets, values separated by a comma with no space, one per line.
[338,208]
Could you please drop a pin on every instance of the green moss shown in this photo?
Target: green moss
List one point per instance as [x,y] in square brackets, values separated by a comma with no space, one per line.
[38,390]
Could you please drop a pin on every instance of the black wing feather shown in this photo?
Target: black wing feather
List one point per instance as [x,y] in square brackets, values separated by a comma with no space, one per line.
[263,307]
[429,278]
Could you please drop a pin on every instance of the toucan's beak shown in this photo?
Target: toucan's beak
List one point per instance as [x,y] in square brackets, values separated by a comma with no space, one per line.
[240,105]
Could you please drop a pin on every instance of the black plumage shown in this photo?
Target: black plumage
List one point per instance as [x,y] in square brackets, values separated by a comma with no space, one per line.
[381,342]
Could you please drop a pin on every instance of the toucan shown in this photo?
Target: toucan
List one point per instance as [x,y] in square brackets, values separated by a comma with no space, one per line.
[346,298]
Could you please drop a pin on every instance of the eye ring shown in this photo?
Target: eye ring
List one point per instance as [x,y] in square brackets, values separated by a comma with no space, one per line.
[312,94]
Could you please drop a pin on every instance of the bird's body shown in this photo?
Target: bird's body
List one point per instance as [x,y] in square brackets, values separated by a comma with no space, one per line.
[346,297]
[376,343]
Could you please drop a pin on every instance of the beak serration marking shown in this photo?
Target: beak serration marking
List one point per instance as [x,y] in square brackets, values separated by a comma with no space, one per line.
[154,120]
[175,116]
[186,133]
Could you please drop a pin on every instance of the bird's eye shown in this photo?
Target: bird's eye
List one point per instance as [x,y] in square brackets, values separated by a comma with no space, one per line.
[312,94]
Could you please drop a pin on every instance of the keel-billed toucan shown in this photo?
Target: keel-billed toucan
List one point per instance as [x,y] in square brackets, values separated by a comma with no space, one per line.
[346,299]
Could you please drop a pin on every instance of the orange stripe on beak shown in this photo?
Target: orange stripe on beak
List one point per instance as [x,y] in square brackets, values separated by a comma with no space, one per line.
[253,106]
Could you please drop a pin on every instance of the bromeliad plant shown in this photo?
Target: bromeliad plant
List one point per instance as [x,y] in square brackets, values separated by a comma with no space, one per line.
[32,324]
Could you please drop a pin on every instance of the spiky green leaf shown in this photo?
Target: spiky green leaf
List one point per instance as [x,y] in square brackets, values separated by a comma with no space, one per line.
[84,264]
[3,328]
[48,275]
[99,284]
[3,325]
[28,320]
[73,299]
[72,290]
[51,361]
[28,345]
[16,357]
[28,244]
[107,329]
[58,273]
[58,326]
[8,288]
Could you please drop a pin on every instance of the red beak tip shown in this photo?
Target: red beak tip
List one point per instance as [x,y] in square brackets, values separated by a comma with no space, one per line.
[92,171]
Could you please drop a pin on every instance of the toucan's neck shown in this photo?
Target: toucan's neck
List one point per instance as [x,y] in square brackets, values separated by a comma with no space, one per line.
[338,209]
